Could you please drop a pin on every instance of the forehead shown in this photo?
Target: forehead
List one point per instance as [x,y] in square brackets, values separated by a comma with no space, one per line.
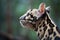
[29,11]
[32,11]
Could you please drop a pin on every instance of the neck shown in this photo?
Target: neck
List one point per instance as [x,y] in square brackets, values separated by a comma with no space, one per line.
[45,26]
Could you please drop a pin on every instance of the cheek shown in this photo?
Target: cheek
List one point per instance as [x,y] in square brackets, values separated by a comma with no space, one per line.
[28,25]
[26,17]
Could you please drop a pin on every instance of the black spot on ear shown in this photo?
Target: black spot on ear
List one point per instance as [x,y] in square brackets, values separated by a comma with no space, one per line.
[58,30]
[54,34]
[57,38]
[50,31]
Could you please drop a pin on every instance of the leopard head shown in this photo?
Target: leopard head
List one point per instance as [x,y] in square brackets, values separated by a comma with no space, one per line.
[29,19]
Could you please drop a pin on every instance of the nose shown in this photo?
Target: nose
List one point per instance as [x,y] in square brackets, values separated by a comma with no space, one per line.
[21,18]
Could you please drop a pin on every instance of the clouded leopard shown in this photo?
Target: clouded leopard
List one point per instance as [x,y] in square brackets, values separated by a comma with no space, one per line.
[40,21]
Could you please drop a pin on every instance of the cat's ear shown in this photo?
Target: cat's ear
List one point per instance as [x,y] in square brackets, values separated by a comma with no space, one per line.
[48,9]
[42,8]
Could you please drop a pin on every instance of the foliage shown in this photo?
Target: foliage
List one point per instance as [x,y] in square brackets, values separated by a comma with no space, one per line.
[18,8]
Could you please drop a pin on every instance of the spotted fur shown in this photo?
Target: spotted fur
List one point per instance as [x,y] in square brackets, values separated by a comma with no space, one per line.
[40,21]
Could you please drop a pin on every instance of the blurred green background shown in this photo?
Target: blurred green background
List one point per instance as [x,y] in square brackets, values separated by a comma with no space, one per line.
[11,10]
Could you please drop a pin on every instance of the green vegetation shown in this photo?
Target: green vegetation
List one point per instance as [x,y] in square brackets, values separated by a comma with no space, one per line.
[18,8]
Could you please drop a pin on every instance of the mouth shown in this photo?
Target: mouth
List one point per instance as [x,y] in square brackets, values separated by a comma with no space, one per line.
[23,22]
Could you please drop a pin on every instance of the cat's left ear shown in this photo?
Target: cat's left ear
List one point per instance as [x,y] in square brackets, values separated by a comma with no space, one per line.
[48,9]
[42,8]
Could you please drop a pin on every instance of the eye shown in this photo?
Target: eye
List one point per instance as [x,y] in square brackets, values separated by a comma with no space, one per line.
[28,14]
[32,16]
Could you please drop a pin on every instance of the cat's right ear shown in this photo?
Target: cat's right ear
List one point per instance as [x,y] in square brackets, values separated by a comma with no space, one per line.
[42,8]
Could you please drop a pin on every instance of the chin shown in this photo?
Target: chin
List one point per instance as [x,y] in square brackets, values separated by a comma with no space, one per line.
[25,24]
